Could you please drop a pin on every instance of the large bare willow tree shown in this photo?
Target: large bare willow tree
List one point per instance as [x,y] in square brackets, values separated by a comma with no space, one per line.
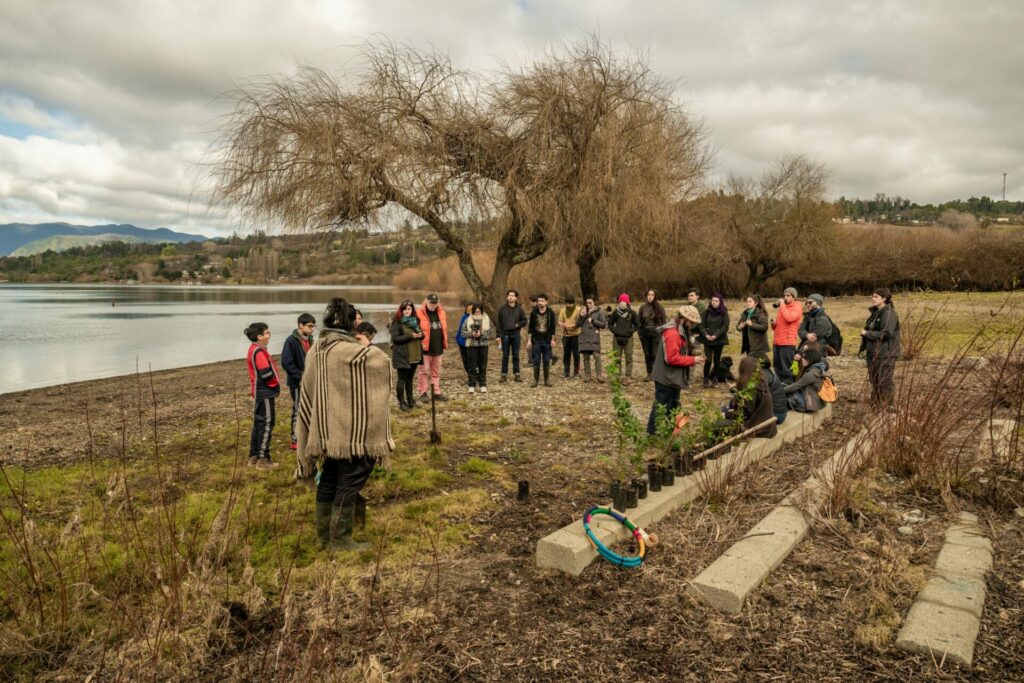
[583,153]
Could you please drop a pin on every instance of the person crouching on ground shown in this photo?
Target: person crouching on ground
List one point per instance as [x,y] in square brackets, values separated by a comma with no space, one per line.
[344,425]
[543,324]
[406,352]
[881,344]
[293,360]
[714,331]
[478,331]
[786,324]
[671,370]
[591,321]
[434,324]
[264,385]
[753,399]
[803,392]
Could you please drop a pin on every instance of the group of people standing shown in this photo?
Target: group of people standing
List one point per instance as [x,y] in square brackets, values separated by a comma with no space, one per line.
[339,382]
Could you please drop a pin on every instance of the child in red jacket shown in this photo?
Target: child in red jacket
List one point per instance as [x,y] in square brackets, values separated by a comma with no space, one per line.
[264,385]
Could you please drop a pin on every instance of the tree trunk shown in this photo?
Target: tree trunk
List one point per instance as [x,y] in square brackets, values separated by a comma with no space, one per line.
[587,263]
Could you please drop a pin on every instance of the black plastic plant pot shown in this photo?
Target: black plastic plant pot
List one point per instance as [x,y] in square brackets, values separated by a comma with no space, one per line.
[683,464]
[640,484]
[524,490]
[654,479]
[631,496]
[668,476]
[697,464]
[619,499]
[614,488]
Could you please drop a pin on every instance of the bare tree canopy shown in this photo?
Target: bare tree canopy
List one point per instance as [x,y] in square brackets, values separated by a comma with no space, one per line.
[780,218]
[581,153]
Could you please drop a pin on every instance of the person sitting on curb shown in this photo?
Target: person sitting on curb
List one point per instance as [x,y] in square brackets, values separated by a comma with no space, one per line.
[591,321]
[293,360]
[478,332]
[780,400]
[623,324]
[542,327]
[434,324]
[671,371]
[785,325]
[344,424]
[511,319]
[753,399]
[803,392]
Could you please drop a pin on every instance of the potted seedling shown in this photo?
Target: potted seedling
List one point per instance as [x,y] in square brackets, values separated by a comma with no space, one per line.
[668,435]
[631,438]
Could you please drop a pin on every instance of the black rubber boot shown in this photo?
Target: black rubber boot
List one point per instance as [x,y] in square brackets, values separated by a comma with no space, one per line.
[323,524]
[547,375]
[342,525]
[536,375]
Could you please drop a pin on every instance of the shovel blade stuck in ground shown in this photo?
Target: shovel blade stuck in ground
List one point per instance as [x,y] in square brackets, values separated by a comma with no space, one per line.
[435,436]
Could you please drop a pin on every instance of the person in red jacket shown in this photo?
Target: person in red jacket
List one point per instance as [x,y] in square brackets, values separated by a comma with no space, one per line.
[434,324]
[786,325]
[264,385]
[671,369]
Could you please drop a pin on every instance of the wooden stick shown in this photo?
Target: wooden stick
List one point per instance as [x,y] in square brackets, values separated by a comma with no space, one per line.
[733,439]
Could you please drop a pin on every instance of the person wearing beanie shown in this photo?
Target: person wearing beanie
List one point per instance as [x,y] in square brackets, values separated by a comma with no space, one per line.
[785,325]
[672,363]
[816,327]
[714,332]
[434,323]
[570,337]
[880,343]
[623,324]
[652,315]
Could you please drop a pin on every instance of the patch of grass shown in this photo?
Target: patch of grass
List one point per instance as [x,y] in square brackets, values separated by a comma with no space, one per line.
[397,482]
[479,466]
[503,421]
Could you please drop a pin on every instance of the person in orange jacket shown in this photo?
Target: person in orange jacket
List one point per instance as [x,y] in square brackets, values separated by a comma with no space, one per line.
[786,325]
[434,324]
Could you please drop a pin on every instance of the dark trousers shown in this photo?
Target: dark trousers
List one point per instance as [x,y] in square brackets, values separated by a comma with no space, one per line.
[341,480]
[649,343]
[540,352]
[712,360]
[510,346]
[464,354]
[880,372]
[782,362]
[477,365]
[403,385]
[571,352]
[263,417]
[664,395]
[294,391]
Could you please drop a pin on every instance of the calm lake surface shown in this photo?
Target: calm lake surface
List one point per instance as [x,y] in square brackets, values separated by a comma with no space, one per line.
[54,334]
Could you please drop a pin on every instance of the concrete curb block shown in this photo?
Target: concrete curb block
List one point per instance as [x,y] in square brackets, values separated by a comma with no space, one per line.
[569,550]
[946,615]
[727,582]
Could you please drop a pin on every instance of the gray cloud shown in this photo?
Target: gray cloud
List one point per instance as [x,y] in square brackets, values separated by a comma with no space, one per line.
[915,99]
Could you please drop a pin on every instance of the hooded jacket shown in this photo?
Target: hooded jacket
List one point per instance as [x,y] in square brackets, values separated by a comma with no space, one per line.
[590,329]
[293,357]
[405,349]
[809,382]
[673,361]
[760,408]
[882,337]
[818,323]
[755,336]
[716,325]
[787,323]
[623,323]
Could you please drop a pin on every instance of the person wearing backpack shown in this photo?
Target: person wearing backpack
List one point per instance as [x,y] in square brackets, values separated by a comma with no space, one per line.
[880,343]
[803,392]
[816,325]
[753,325]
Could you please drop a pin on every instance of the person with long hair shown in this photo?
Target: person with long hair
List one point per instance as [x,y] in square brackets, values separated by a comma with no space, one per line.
[591,321]
[652,315]
[344,426]
[460,340]
[753,326]
[478,332]
[714,332]
[802,393]
[672,363]
[406,352]
[880,343]
[753,399]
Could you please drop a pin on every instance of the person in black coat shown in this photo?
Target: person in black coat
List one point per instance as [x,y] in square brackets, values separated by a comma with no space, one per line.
[714,334]
[293,360]
[651,315]
[880,343]
[406,352]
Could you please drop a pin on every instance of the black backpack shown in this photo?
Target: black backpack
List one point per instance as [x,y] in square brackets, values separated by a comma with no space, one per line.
[834,343]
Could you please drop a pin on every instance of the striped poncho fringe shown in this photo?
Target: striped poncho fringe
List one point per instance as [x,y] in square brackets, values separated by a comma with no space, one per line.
[343,404]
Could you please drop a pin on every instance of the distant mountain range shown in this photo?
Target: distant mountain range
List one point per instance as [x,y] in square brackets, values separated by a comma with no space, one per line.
[24,239]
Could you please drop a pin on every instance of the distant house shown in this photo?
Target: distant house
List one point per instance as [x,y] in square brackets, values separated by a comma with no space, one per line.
[1002,219]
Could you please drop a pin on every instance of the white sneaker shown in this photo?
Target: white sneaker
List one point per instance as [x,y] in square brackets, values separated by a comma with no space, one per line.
[471,390]
[483,390]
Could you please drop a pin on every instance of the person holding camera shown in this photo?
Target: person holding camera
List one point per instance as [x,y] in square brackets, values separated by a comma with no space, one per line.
[785,325]
[478,331]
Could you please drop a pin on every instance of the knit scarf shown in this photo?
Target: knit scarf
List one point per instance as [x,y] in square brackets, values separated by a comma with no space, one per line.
[412,322]
[343,404]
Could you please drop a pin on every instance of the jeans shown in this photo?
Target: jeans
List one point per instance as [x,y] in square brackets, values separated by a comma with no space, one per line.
[571,351]
[477,365]
[431,367]
[510,345]
[294,392]
[781,417]
[464,355]
[540,352]
[782,362]
[664,395]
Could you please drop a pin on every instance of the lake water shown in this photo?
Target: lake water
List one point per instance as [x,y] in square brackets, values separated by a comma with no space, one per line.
[54,334]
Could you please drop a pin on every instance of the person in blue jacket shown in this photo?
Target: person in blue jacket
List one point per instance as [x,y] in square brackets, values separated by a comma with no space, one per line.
[461,341]
[293,360]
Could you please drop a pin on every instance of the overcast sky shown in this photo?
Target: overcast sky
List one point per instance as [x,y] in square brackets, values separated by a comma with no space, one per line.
[107,107]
